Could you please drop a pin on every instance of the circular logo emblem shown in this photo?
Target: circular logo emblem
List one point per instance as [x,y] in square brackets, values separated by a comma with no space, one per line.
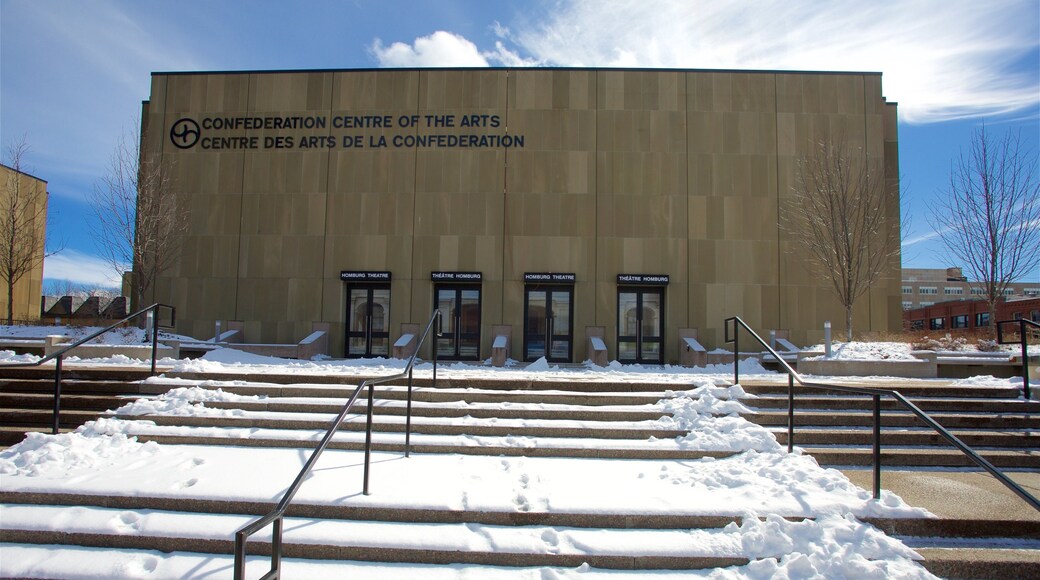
[184,133]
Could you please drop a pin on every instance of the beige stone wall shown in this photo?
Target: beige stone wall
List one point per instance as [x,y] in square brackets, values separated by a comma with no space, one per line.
[681,173]
[28,289]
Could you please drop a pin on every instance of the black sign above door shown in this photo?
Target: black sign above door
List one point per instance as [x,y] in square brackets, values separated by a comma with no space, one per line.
[364,276]
[456,276]
[549,278]
[643,279]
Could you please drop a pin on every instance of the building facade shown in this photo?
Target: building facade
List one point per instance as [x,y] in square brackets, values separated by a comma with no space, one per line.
[546,205]
[26,196]
[924,287]
[969,315]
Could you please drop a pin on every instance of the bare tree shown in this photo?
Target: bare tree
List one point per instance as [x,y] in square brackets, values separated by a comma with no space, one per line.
[989,218]
[140,216]
[23,223]
[838,218]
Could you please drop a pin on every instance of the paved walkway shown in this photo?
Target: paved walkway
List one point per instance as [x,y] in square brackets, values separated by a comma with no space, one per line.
[956,494]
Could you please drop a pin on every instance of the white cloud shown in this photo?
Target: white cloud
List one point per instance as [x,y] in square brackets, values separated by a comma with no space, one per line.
[439,49]
[941,59]
[90,271]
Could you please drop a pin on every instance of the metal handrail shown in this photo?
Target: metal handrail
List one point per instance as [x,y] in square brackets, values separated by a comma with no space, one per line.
[876,393]
[59,354]
[278,513]
[1023,339]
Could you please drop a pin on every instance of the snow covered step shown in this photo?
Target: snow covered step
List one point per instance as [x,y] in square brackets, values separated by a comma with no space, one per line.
[448,380]
[57,562]
[428,394]
[341,511]
[458,408]
[431,426]
[437,543]
[651,448]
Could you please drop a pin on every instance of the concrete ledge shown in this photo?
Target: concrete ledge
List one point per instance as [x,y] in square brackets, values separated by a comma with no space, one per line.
[925,367]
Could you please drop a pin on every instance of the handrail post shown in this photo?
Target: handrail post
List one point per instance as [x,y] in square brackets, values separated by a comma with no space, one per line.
[153,316]
[736,353]
[1025,357]
[240,555]
[790,413]
[877,447]
[408,419]
[57,395]
[276,548]
[368,434]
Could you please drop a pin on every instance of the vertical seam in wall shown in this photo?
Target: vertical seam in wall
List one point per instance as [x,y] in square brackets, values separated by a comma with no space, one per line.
[597,192]
[415,186]
[686,184]
[241,202]
[505,169]
[866,164]
[328,196]
[779,218]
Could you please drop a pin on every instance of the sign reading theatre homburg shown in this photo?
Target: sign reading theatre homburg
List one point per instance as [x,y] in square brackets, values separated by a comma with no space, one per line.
[364,276]
[219,133]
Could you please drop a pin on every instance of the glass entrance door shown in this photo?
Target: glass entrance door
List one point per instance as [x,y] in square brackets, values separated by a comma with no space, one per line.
[640,325]
[460,321]
[368,320]
[548,328]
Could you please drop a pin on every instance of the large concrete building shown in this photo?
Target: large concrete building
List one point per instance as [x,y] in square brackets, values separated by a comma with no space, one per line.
[23,205]
[547,205]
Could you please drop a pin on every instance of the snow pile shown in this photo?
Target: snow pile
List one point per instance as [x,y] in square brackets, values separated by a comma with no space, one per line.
[862,351]
[832,546]
[8,356]
[186,401]
[40,454]
[118,336]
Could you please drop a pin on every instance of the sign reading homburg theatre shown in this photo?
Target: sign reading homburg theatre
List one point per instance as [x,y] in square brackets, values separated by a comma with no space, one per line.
[531,208]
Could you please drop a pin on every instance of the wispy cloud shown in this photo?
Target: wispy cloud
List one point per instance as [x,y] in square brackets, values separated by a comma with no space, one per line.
[80,268]
[941,59]
[444,49]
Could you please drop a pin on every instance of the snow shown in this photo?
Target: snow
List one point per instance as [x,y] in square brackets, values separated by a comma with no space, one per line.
[119,336]
[741,472]
[864,351]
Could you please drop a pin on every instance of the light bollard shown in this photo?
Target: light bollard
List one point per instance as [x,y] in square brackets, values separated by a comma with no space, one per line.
[827,338]
[216,335]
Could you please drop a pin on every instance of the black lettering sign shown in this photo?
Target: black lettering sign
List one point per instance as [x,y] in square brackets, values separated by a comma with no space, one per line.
[364,276]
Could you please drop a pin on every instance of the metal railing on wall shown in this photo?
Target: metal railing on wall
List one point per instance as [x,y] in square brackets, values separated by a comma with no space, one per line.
[152,325]
[736,324]
[277,515]
[1025,328]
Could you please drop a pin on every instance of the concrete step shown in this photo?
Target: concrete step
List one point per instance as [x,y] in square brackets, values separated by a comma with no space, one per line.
[898,419]
[908,388]
[586,429]
[929,405]
[980,562]
[68,401]
[432,543]
[68,418]
[75,387]
[394,442]
[921,456]
[458,409]
[917,437]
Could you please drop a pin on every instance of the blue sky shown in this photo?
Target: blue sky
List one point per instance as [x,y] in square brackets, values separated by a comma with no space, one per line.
[73,73]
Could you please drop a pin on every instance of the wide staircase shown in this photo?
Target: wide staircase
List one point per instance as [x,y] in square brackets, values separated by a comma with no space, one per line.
[494,418]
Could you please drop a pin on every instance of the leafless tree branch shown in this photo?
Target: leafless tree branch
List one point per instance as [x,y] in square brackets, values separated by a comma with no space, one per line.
[838,219]
[989,217]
